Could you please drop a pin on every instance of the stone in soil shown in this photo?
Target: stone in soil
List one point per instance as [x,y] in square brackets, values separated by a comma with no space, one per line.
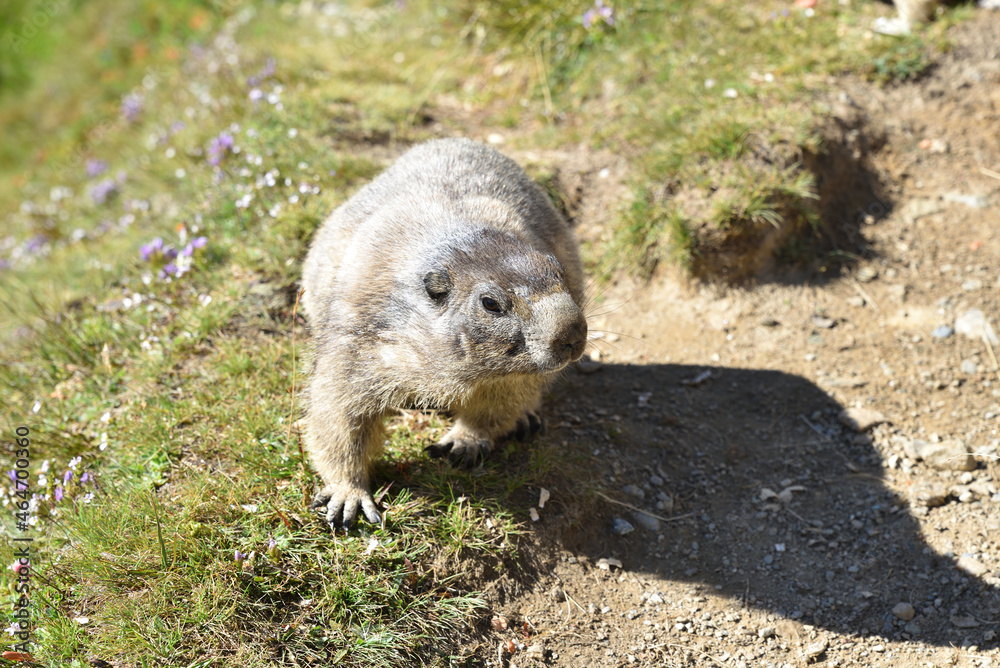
[971,565]
[622,527]
[973,324]
[860,419]
[949,455]
[904,611]
[647,522]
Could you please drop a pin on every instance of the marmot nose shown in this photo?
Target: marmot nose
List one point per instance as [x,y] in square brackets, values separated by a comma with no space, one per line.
[571,341]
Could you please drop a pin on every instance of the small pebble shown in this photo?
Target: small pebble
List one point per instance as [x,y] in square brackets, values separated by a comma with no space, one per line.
[904,611]
[860,419]
[608,563]
[973,324]
[815,650]
[536,651]
[766,632]
[971,565]
[622,527]
[647,522]
[969,367]
[942,332]
[866,274]
[634,490]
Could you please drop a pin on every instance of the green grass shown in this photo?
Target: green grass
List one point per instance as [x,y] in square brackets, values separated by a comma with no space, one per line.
[178,398]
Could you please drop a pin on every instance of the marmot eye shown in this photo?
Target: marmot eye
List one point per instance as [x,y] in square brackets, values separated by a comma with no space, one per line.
[491,305]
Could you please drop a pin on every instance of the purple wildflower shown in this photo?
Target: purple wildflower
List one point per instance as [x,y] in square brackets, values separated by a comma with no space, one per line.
[239,556]
[197,242]
[103,191]
[13,475]
[219,147]
[273,551]
[67,477]
[131,106]
[59,493]
[170,269]
[35,243]
[151,249]
[598,12]
[84,478]
[96,167]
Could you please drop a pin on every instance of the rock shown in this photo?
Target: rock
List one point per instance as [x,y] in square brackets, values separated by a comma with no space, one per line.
[969,367]
[634,490]
[860,419]
[606,565]
[942,332]
[646,522]
[974,325]
[946,456]
[766,632]
[930,495]
[866,274]
[814,651]
[536,651]
[664,503]
[971,565]
[558,594]
[904,611]
[964,621]
[823,323]
[912,629]
[622,527]
[918,208]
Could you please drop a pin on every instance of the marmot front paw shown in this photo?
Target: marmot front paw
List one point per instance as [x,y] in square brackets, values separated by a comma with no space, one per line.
[527,427]
[463,450]
[342,501]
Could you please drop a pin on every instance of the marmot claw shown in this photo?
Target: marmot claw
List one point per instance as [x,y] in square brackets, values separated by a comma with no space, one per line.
[464,453]
[342,503]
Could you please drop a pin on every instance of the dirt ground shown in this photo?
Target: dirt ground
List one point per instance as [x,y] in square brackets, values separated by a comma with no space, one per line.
[785,535]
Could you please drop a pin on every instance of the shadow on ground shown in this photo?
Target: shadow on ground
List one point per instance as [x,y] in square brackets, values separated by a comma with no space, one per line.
[839,553]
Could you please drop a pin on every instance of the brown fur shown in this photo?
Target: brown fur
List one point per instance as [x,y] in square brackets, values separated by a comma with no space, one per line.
[449,281]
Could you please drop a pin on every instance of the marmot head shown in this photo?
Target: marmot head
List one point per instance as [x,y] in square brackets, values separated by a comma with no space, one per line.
[505,305]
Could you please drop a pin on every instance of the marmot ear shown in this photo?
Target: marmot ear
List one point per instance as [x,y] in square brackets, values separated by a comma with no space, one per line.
[437,282]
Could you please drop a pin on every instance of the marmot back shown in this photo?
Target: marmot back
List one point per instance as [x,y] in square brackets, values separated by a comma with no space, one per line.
[450,281]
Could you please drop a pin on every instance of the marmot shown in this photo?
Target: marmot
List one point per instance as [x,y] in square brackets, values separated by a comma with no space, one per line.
[450,281]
